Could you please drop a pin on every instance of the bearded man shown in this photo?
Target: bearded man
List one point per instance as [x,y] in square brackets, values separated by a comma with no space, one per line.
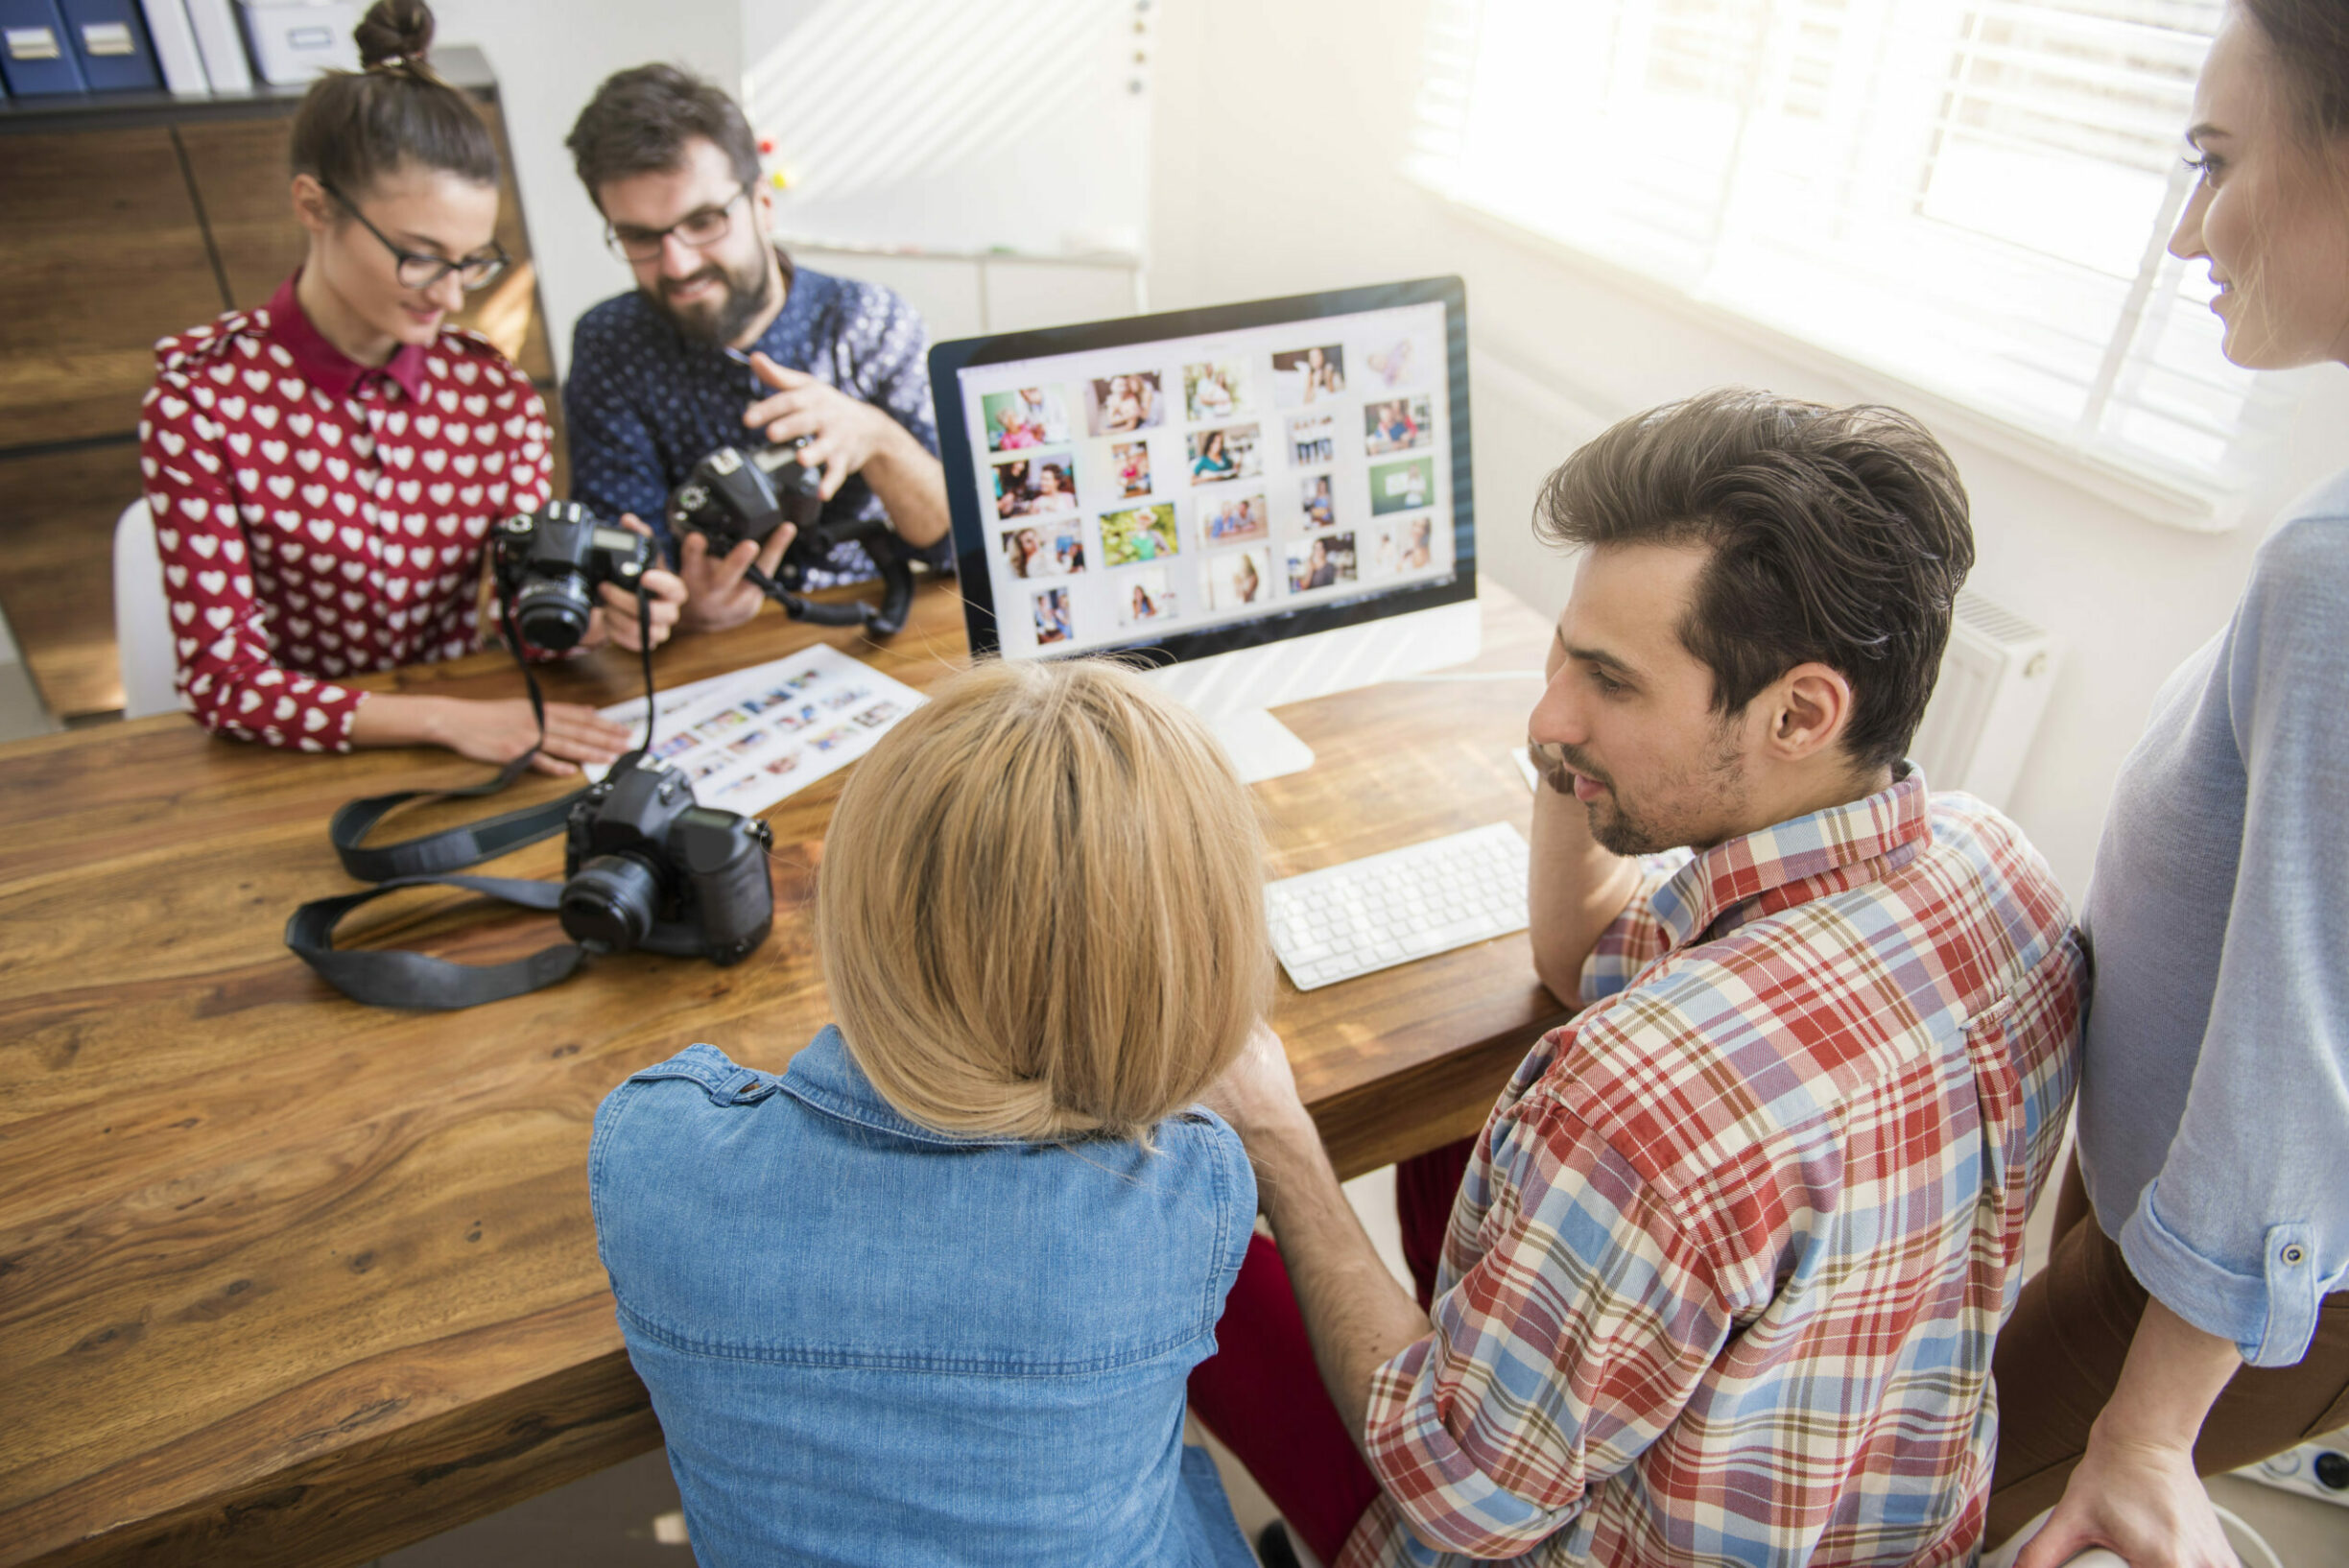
[726,342]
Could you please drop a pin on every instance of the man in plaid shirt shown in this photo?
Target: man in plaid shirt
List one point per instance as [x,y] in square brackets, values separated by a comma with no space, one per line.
[1721,1277]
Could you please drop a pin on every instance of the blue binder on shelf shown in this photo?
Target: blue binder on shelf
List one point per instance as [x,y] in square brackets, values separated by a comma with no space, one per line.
[37,57]
[110,44]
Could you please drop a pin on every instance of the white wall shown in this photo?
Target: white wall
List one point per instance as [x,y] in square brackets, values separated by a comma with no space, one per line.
[954,124]
[1280,132]
[549,55]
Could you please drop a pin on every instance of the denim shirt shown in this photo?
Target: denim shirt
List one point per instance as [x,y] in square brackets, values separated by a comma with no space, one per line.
[871,1342]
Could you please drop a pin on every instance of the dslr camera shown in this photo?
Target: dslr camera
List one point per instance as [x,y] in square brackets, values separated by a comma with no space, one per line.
[549,563]
[731,495]
[646,866]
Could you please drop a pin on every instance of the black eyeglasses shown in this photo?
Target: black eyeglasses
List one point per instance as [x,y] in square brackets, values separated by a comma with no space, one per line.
[701,228]
[421,270]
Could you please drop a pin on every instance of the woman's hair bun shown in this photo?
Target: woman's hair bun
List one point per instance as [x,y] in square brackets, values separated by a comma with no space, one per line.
[394,32]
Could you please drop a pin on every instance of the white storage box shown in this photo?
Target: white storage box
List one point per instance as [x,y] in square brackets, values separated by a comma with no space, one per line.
[294,41]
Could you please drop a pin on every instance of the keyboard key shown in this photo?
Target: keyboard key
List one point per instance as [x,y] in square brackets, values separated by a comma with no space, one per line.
[1392,908]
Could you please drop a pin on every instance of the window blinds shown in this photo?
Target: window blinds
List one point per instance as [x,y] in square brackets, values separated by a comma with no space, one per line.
[1970,195]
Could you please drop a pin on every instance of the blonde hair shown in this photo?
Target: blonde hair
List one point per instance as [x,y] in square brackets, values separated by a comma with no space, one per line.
[1040,910]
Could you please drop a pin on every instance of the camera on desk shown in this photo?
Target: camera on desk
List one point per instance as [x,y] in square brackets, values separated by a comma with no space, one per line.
[645,866]
[730,495]
[551,561]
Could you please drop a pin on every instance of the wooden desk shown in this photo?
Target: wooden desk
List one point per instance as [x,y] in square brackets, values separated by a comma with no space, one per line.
[286,1281]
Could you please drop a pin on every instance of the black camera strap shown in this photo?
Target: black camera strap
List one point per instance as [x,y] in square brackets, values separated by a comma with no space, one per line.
[390,978]
[469,843]
[394,979]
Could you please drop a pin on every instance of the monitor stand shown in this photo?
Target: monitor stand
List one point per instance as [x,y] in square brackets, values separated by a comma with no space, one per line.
[1260,745]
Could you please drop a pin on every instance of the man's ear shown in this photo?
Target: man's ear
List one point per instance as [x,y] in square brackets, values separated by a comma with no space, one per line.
[762,198]
[1810,709]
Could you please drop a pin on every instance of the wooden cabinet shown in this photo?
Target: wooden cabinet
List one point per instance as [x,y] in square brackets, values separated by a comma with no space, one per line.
[125,217]
[101,253]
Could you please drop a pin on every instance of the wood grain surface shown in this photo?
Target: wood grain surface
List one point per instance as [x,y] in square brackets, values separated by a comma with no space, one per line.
[101,253]
[284,1279]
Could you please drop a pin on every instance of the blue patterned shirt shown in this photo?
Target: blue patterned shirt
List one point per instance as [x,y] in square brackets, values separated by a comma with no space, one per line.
[645,402]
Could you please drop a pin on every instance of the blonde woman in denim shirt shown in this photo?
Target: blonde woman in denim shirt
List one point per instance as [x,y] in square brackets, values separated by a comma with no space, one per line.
[932,1294]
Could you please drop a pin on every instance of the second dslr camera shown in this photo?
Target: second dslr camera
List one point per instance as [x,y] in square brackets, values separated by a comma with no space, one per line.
[731,496]
[550,563]
[645,866]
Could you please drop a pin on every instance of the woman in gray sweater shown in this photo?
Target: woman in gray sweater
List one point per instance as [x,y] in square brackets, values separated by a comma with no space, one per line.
[2195,1317]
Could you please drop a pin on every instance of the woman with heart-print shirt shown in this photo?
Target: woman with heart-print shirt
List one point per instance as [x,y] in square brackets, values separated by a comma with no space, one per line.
[323,470]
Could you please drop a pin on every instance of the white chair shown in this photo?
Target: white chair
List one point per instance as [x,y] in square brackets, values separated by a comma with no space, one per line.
[142,618]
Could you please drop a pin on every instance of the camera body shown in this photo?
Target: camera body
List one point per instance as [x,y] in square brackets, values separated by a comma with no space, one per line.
[645,866]
[548,564]
[730,496]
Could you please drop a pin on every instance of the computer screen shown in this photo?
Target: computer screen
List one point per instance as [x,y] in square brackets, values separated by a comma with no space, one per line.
[1212,479]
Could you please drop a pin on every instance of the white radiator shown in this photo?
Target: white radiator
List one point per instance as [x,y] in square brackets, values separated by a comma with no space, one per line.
[1985,709]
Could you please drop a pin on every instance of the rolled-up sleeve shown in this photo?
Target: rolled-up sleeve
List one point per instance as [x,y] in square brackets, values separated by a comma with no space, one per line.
[2246,1225]
[1557,1360]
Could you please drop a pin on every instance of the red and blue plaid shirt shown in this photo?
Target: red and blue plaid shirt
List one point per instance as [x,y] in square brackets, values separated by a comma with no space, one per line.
[1723,1276]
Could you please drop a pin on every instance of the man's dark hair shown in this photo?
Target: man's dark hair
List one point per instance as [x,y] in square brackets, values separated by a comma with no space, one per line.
[1839,535]
[640,121]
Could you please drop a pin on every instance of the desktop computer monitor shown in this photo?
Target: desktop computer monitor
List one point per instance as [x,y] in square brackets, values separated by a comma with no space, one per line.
[1262,502]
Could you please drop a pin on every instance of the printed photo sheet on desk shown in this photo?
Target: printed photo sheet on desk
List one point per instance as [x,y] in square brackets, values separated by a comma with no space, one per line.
[750,738]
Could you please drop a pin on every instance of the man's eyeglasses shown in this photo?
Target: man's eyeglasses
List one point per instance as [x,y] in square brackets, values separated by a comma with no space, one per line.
[701,228]
[419,270]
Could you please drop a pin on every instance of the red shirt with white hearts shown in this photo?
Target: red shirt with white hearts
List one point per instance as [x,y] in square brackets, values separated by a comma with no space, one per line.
[318,517]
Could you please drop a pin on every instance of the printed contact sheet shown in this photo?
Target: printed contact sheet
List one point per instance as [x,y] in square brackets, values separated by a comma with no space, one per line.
[748,739]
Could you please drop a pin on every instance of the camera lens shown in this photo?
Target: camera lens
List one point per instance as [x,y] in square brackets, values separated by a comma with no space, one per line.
[608,905]
[551,612]
[2332,1471]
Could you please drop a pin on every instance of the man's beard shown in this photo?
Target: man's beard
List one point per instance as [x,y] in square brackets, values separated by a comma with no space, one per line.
[1625,830]
[747,294]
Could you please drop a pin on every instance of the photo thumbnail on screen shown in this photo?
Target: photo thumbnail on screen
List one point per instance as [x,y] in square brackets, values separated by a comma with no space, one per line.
[1116,405]
[1316,501]
[1234,519]
[1045,549]
[1396,424]
[1143,596]
[1239,578]
[1027,486]
[1402,486]
[1138,533]
[1302,377]
[1227,451]
[1312,439]
[1215,389]
[1132,462]
[1404,360]
[1322,562]
[1030,417]
[1052,616]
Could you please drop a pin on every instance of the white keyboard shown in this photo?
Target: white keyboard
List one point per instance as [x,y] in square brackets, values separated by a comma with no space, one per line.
[1384,910]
